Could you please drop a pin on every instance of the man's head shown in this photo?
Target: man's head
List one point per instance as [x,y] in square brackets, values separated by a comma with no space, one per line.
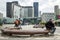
[16,19]
[51,20]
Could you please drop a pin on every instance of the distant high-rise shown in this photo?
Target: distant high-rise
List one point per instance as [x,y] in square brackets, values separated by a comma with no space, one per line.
[46,16]
[56,10]
[27,11]
[13,9]
[35,9]
[9,9]
[16,2]
[39,14]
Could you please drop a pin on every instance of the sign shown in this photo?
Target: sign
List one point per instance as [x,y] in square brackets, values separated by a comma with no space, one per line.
[58,16]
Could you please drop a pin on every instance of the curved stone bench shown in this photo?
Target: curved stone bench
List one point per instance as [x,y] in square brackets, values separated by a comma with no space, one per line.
[24,32]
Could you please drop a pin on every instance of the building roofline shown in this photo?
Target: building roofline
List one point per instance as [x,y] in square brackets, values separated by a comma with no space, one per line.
[27,6]
[20,5]
[17,5]
[46,13]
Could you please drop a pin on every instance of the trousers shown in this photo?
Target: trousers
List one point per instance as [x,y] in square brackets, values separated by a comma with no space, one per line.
[53,29]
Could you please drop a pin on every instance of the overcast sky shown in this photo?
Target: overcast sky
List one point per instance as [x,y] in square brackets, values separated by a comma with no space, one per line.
[44,5]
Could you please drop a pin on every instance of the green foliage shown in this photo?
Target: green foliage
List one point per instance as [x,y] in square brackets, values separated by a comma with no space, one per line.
[43,23]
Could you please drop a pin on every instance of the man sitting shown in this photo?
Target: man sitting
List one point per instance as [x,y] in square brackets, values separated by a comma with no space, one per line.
[50,26]
[17,24]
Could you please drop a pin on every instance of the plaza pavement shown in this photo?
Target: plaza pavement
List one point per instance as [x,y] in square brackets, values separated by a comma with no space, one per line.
[27,37]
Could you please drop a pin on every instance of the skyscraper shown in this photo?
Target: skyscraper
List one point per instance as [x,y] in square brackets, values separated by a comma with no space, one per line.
[56,10]
[27,11]
[9,9]
[13,9]
[35,4]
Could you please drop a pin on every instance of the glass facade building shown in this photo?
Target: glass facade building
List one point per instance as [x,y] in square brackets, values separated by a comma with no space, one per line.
[35,9]
[16,11]
[27,11]
[9,9]
[13,9]
[47,16]
[30,12]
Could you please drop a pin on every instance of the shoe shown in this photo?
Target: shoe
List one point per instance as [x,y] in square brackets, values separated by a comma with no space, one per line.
[52,34]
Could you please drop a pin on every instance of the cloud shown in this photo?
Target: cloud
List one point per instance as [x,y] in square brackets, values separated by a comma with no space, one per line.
[49,6]
[26,2]
[44,5]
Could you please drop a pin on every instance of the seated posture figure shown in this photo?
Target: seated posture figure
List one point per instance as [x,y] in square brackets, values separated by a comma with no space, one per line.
[50,26]
[17,23]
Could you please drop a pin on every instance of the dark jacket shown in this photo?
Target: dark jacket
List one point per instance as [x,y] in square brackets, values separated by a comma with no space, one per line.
[49,25]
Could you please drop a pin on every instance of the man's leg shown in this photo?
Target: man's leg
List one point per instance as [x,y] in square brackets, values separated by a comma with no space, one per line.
[53,30]
[20,26]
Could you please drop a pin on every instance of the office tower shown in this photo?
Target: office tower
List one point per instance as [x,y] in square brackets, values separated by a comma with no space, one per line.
[47,16]
[56,10]
[9,9]
[35,4]
[27,11]
[39,14]
[13,9]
